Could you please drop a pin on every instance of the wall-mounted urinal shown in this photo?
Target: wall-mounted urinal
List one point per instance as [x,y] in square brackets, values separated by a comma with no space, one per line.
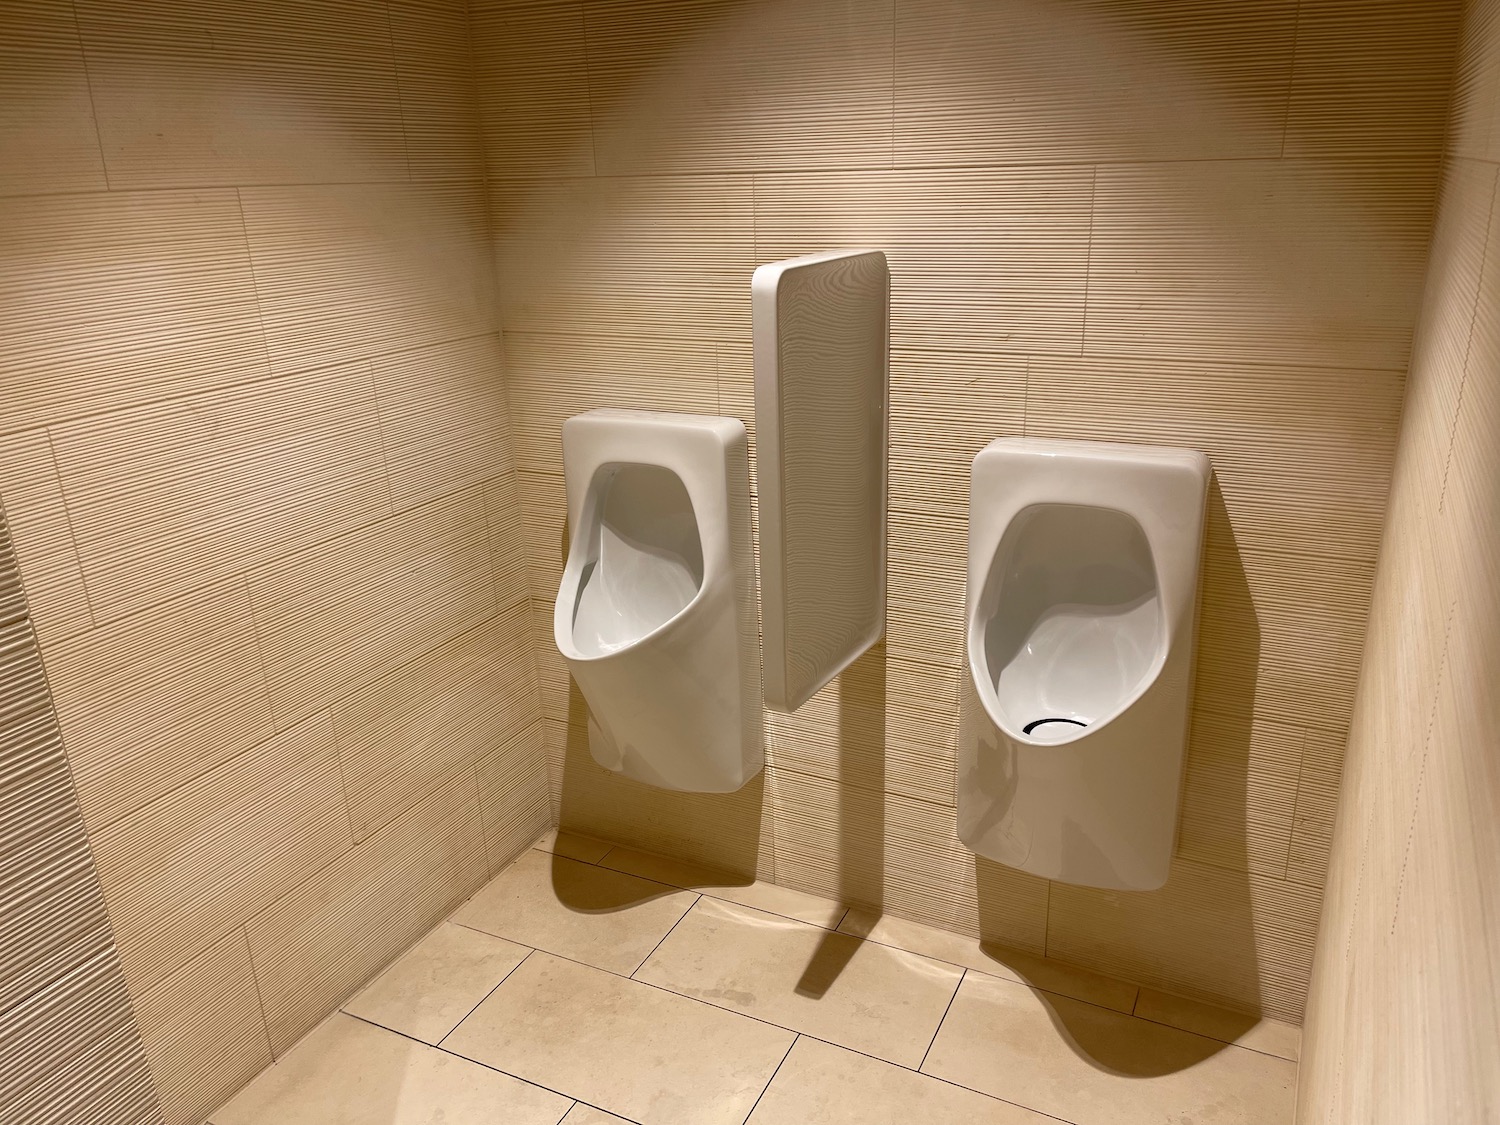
[656,611]
[1081,616]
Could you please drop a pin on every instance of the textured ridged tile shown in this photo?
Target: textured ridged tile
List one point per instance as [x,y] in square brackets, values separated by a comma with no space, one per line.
[823,1083]
[190,94]
[871,849]
[107,301]
[873,998]
[171,497]
[1317,803]
[1250,260]
[550,378]
[502,514]
[576,910]
[1268,1036]
[435,73]
[605,256]
[394,266]
[1372,77]
[47,130]
[1241,940]
[316,945]
[203,1031]
[723,885]
[437,982]
[348,1071]
[1474,123]
[513,796]
[1105,1068]
[443,417]
[533,85]
[979,259]
[625,1046]
[352,609]
[41,537]
[998,961]
[1240,791]
[434,717]
[1010,82]
[150,702]
[709,85]
[199,862]
[106,1084]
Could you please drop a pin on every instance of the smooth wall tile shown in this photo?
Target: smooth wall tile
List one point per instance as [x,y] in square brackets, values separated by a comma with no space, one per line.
[150,702]
[348,1072]
[190,94]
[163,276]
[705,85]
[395,266]
[1089,1065]
[208,856]
[873,998]
[1012,81]
[319,943]
[340,614]
[171,497]
[47,131]
[577,910]
[437,982]
[637,1051]
[203,1030]
[823,1083]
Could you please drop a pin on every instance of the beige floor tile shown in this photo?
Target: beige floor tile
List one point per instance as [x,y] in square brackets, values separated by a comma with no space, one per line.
[785,901]
[346,1072]
[1011,964]
[632,1049]
[1271,1037]
[602,918]
[438,982]
[831,1086]
[1091,1066]
[582,1114]
[570,844]
[882,1001]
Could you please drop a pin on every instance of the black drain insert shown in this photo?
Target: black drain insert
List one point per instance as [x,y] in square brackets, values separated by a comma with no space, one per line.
[1031,726]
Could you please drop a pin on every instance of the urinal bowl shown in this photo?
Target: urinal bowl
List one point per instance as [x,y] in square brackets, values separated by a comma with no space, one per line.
[655,611]
[1081,613]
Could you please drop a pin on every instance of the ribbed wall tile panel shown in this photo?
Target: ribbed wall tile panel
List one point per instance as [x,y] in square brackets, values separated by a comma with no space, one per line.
[190,867]
[267,93]
[107,300]
[330,619]
[777,84]
[1022,80]
[47,128]
[1174,223]
[69,1050]
[172,497]
[256,454]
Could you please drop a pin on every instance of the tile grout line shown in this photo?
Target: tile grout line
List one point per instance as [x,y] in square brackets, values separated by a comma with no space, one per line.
[796,1038]
[487,995]
[665,936]
[963,976]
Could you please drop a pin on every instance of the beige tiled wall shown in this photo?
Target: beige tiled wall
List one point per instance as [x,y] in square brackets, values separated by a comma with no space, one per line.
[255,448]
[1191,222]
[1402,1016]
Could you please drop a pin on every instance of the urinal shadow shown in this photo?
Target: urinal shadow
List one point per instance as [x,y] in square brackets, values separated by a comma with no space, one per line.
[861,811]
[1195,934]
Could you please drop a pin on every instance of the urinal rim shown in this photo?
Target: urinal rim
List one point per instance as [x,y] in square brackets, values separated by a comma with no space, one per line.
[576,562]
[979,663]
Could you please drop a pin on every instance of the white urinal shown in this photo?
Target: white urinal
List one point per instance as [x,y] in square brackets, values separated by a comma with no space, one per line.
[656,611]
[1081,615]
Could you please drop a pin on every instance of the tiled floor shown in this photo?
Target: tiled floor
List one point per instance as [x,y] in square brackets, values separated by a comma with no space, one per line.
[591,984]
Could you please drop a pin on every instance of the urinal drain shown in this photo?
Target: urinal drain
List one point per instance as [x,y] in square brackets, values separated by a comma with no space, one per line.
[1031,726]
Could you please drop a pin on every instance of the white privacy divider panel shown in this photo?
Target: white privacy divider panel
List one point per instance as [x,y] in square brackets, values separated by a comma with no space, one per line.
[821,328]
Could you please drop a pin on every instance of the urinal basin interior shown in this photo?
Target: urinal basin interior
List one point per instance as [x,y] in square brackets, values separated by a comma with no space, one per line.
[1071,620]
[644,561]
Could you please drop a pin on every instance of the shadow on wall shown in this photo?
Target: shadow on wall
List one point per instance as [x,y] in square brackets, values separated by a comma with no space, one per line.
[1118,921]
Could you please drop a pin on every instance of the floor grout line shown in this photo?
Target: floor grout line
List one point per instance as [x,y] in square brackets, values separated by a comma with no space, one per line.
[529,951]
[941,1020]
[795,1039]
